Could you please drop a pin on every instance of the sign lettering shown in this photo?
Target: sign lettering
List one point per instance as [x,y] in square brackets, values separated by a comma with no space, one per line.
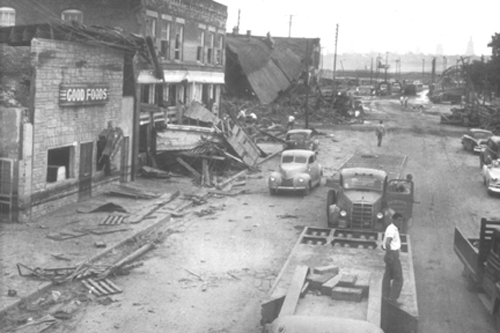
[83,94]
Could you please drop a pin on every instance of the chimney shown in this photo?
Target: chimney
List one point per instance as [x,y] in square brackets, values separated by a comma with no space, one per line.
[249,33]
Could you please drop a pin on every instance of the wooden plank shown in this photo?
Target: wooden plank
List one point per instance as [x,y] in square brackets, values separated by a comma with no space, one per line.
[96,285]
[91,288]
[113,285]
[373,314]
[190,169]
[294,291]
[230,179]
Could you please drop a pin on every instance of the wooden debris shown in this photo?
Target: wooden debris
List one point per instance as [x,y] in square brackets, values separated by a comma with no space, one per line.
[230,179]
[195,173]
[148,172]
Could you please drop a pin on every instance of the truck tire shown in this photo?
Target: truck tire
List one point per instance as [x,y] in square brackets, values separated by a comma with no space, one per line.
[330,200]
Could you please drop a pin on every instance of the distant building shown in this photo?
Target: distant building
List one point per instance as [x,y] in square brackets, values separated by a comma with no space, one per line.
[470,48]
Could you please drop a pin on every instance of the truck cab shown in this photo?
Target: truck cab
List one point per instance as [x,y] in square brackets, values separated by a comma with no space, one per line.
[365,197]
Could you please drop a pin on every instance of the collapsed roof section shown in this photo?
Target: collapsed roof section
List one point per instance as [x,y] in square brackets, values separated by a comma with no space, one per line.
[257,64]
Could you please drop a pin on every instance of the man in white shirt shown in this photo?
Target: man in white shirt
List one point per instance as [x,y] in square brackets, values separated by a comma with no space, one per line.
[392,282]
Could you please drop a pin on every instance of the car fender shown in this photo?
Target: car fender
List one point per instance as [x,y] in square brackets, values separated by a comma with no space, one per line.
[276,176]
[305,176]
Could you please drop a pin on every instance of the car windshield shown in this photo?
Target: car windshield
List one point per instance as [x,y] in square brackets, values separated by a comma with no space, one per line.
[363,182]
[294,159]
[296,136]
[481,135]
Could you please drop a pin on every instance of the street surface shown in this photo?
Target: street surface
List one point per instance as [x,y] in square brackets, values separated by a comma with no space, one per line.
[213,271]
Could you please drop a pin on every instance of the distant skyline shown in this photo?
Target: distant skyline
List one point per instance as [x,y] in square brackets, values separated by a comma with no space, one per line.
[374,26]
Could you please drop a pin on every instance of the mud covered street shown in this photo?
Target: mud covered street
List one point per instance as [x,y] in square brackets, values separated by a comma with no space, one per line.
[220,261]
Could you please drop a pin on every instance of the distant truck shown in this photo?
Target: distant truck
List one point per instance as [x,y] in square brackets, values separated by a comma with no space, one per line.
[481,260]
[365,194]
[332,282]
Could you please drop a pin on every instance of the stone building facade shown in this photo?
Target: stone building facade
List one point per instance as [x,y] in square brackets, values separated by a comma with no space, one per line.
[54,154]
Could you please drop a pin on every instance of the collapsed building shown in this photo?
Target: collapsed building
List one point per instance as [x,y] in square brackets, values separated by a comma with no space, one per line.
[266,67]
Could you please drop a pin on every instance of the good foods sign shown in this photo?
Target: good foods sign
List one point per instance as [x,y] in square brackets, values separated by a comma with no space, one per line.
[83,94]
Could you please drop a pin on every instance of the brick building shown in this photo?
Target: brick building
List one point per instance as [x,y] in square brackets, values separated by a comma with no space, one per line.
[189,37]
[61,94]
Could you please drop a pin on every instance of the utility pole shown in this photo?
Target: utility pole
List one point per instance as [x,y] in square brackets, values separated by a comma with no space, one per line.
[423,69]
[386,64]
[238,26]
[371,72]
[335,64]
[307,84]
[290,26]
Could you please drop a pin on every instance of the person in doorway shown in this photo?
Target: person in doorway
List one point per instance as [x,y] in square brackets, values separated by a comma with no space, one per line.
[380,132]
[392,282]
[291,122]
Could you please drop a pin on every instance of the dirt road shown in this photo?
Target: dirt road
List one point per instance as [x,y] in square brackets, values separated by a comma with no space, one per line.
[213,272]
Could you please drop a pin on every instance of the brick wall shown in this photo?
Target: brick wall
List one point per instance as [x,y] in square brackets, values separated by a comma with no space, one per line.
[54,126]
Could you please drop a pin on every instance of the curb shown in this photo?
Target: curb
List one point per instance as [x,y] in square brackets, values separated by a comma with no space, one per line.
[44,287]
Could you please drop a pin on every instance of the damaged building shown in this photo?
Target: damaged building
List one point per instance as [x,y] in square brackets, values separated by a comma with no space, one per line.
[266,67]
[66,115]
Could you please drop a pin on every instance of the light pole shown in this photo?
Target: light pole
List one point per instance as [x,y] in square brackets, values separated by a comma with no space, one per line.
[423,69]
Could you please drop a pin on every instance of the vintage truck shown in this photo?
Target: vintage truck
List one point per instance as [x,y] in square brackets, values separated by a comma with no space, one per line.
[367,190]
[481,260]
[332,282]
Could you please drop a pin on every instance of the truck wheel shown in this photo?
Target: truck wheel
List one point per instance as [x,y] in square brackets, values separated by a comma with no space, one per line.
[330,200]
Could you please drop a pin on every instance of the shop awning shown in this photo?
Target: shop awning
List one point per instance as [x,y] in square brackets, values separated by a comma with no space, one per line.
[177,76]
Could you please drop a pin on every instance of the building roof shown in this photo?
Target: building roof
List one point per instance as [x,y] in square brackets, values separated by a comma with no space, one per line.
[268,69]
[22,35]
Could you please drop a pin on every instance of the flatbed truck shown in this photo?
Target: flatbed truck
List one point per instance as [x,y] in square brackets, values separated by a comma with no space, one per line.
[332,282]
[481,259]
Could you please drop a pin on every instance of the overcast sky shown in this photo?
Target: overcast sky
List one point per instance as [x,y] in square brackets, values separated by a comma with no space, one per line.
[370,25]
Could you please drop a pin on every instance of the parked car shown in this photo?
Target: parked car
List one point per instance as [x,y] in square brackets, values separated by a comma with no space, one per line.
[475,139]
[301,139]
[299,171]
[490,152]
[491,177]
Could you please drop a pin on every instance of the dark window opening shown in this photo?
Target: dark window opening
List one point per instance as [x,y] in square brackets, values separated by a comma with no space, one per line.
[172,95]
[204,94]
[58,164]
[145,93]
[165,49]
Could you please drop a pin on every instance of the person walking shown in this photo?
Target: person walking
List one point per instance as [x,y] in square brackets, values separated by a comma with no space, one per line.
[380,132]
[392,282]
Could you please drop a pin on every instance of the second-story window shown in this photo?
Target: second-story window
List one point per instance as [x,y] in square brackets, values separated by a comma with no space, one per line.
[72,15]
[151,26]
[165,39]
[7,16]
[179,38]
[201,44]
[220,51]
[210,49]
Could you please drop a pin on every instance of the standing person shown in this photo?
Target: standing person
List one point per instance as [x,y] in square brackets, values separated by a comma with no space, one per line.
[402,100]
[380,132]
[291,122]
[392,283]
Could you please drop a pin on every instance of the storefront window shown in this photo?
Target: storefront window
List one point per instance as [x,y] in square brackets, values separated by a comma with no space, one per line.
[60,163]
